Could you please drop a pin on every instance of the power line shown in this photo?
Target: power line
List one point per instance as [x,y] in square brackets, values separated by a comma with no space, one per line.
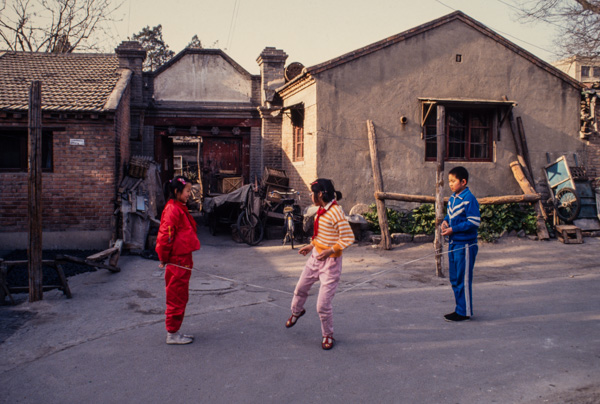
[507,34]
[234,14]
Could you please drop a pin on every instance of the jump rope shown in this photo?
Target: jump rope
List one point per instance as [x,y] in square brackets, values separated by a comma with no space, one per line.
[369,277]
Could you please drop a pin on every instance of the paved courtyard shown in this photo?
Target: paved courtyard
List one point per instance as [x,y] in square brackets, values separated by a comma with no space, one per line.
[535,337]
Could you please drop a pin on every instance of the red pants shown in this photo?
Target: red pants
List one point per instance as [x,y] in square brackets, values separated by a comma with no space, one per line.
[177,282]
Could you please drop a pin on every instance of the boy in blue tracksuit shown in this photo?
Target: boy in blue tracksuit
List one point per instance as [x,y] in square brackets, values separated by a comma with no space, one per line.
[461,224]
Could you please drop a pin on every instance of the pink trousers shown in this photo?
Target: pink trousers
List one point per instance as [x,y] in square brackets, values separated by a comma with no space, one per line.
[328,272]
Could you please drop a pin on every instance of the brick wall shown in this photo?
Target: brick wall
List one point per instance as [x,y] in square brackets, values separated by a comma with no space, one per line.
[79,193]
[593,157]
[255,153]
[271,141]
[122,135]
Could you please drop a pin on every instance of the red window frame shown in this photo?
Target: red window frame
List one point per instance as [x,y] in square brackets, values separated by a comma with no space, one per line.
[297,118]
[471,127]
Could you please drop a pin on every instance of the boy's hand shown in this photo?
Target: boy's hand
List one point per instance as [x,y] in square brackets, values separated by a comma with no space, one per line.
[162,264]
[446,231]
[306,249]
[444,225]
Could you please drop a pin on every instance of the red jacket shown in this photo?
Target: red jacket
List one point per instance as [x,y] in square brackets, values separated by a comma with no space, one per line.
[177,232]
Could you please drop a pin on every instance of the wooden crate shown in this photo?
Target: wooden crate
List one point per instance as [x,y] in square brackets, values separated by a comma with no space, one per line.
[273,176]
[230,184]
[569,234]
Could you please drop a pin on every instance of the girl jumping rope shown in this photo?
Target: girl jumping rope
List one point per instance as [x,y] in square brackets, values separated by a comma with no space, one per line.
[332,234]
[175,243]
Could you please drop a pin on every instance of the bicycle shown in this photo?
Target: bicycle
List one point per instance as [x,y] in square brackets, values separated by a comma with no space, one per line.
[289,206]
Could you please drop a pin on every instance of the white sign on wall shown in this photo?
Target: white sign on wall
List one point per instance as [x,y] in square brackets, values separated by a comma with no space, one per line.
[77,142]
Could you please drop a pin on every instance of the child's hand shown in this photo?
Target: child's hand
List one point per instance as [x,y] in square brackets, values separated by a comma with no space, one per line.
[325,254]
[447,230]
[305,250]
[162,264]
[444,225]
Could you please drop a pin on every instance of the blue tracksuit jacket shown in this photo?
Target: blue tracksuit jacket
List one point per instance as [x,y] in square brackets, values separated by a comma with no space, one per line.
[463,216]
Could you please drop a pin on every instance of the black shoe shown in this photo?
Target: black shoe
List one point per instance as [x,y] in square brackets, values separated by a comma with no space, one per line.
[456,317]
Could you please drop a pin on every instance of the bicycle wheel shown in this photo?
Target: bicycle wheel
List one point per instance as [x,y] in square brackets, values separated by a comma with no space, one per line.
[567,204]
[250,228]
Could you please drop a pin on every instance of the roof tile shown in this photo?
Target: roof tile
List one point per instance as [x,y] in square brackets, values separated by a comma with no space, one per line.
[70,82]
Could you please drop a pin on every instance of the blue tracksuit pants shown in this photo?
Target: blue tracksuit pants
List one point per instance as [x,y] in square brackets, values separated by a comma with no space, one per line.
[461,256]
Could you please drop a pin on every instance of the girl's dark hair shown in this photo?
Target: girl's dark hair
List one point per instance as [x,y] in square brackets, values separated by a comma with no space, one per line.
[325,186]
[176,184]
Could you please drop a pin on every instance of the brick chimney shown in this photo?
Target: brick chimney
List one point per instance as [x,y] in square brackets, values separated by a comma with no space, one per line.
[131,56]
[272,67]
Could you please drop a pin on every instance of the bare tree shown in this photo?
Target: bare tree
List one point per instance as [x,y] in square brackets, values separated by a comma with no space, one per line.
[578,23]
[55,25]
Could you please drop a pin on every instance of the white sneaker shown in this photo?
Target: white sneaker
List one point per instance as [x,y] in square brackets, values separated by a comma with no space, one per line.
[175,338]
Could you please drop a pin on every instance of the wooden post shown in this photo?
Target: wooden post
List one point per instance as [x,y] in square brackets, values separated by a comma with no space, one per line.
[35,193]
[525,149]
[517,141]
[542,230]
[386,241]
[439,189]
[198,155]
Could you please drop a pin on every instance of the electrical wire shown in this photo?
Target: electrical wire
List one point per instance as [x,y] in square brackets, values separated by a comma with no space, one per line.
[234,14]
[507,34]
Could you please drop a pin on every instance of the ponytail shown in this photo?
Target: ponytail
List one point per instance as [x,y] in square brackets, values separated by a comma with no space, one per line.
[326,186]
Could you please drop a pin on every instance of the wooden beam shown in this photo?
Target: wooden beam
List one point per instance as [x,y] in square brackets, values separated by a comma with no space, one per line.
[542,230]
[490,200]
[517,141]
[36,288]
[439,190]
[525,149]
[386,240]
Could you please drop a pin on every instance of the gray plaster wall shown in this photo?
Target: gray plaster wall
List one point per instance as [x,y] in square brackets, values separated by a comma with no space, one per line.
[385,86]
[202,78]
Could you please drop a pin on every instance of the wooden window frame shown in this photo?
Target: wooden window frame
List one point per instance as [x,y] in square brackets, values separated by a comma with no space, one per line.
[297,119]
[22,136]
[429,130]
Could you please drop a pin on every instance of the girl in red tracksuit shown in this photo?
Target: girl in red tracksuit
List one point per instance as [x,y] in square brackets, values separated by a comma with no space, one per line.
[175,243]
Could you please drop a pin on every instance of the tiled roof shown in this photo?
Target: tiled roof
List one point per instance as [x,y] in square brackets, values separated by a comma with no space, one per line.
[70,82]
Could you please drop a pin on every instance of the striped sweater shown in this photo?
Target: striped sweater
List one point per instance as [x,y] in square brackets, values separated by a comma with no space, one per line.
[334,231]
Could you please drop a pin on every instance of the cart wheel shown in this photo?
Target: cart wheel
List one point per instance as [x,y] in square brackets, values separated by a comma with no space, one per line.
[567,204]
[250,228]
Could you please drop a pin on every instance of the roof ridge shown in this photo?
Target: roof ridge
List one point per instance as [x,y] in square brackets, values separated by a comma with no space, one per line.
[456,15]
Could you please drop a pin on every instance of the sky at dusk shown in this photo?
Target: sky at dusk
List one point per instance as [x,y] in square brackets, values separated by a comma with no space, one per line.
[314,31]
